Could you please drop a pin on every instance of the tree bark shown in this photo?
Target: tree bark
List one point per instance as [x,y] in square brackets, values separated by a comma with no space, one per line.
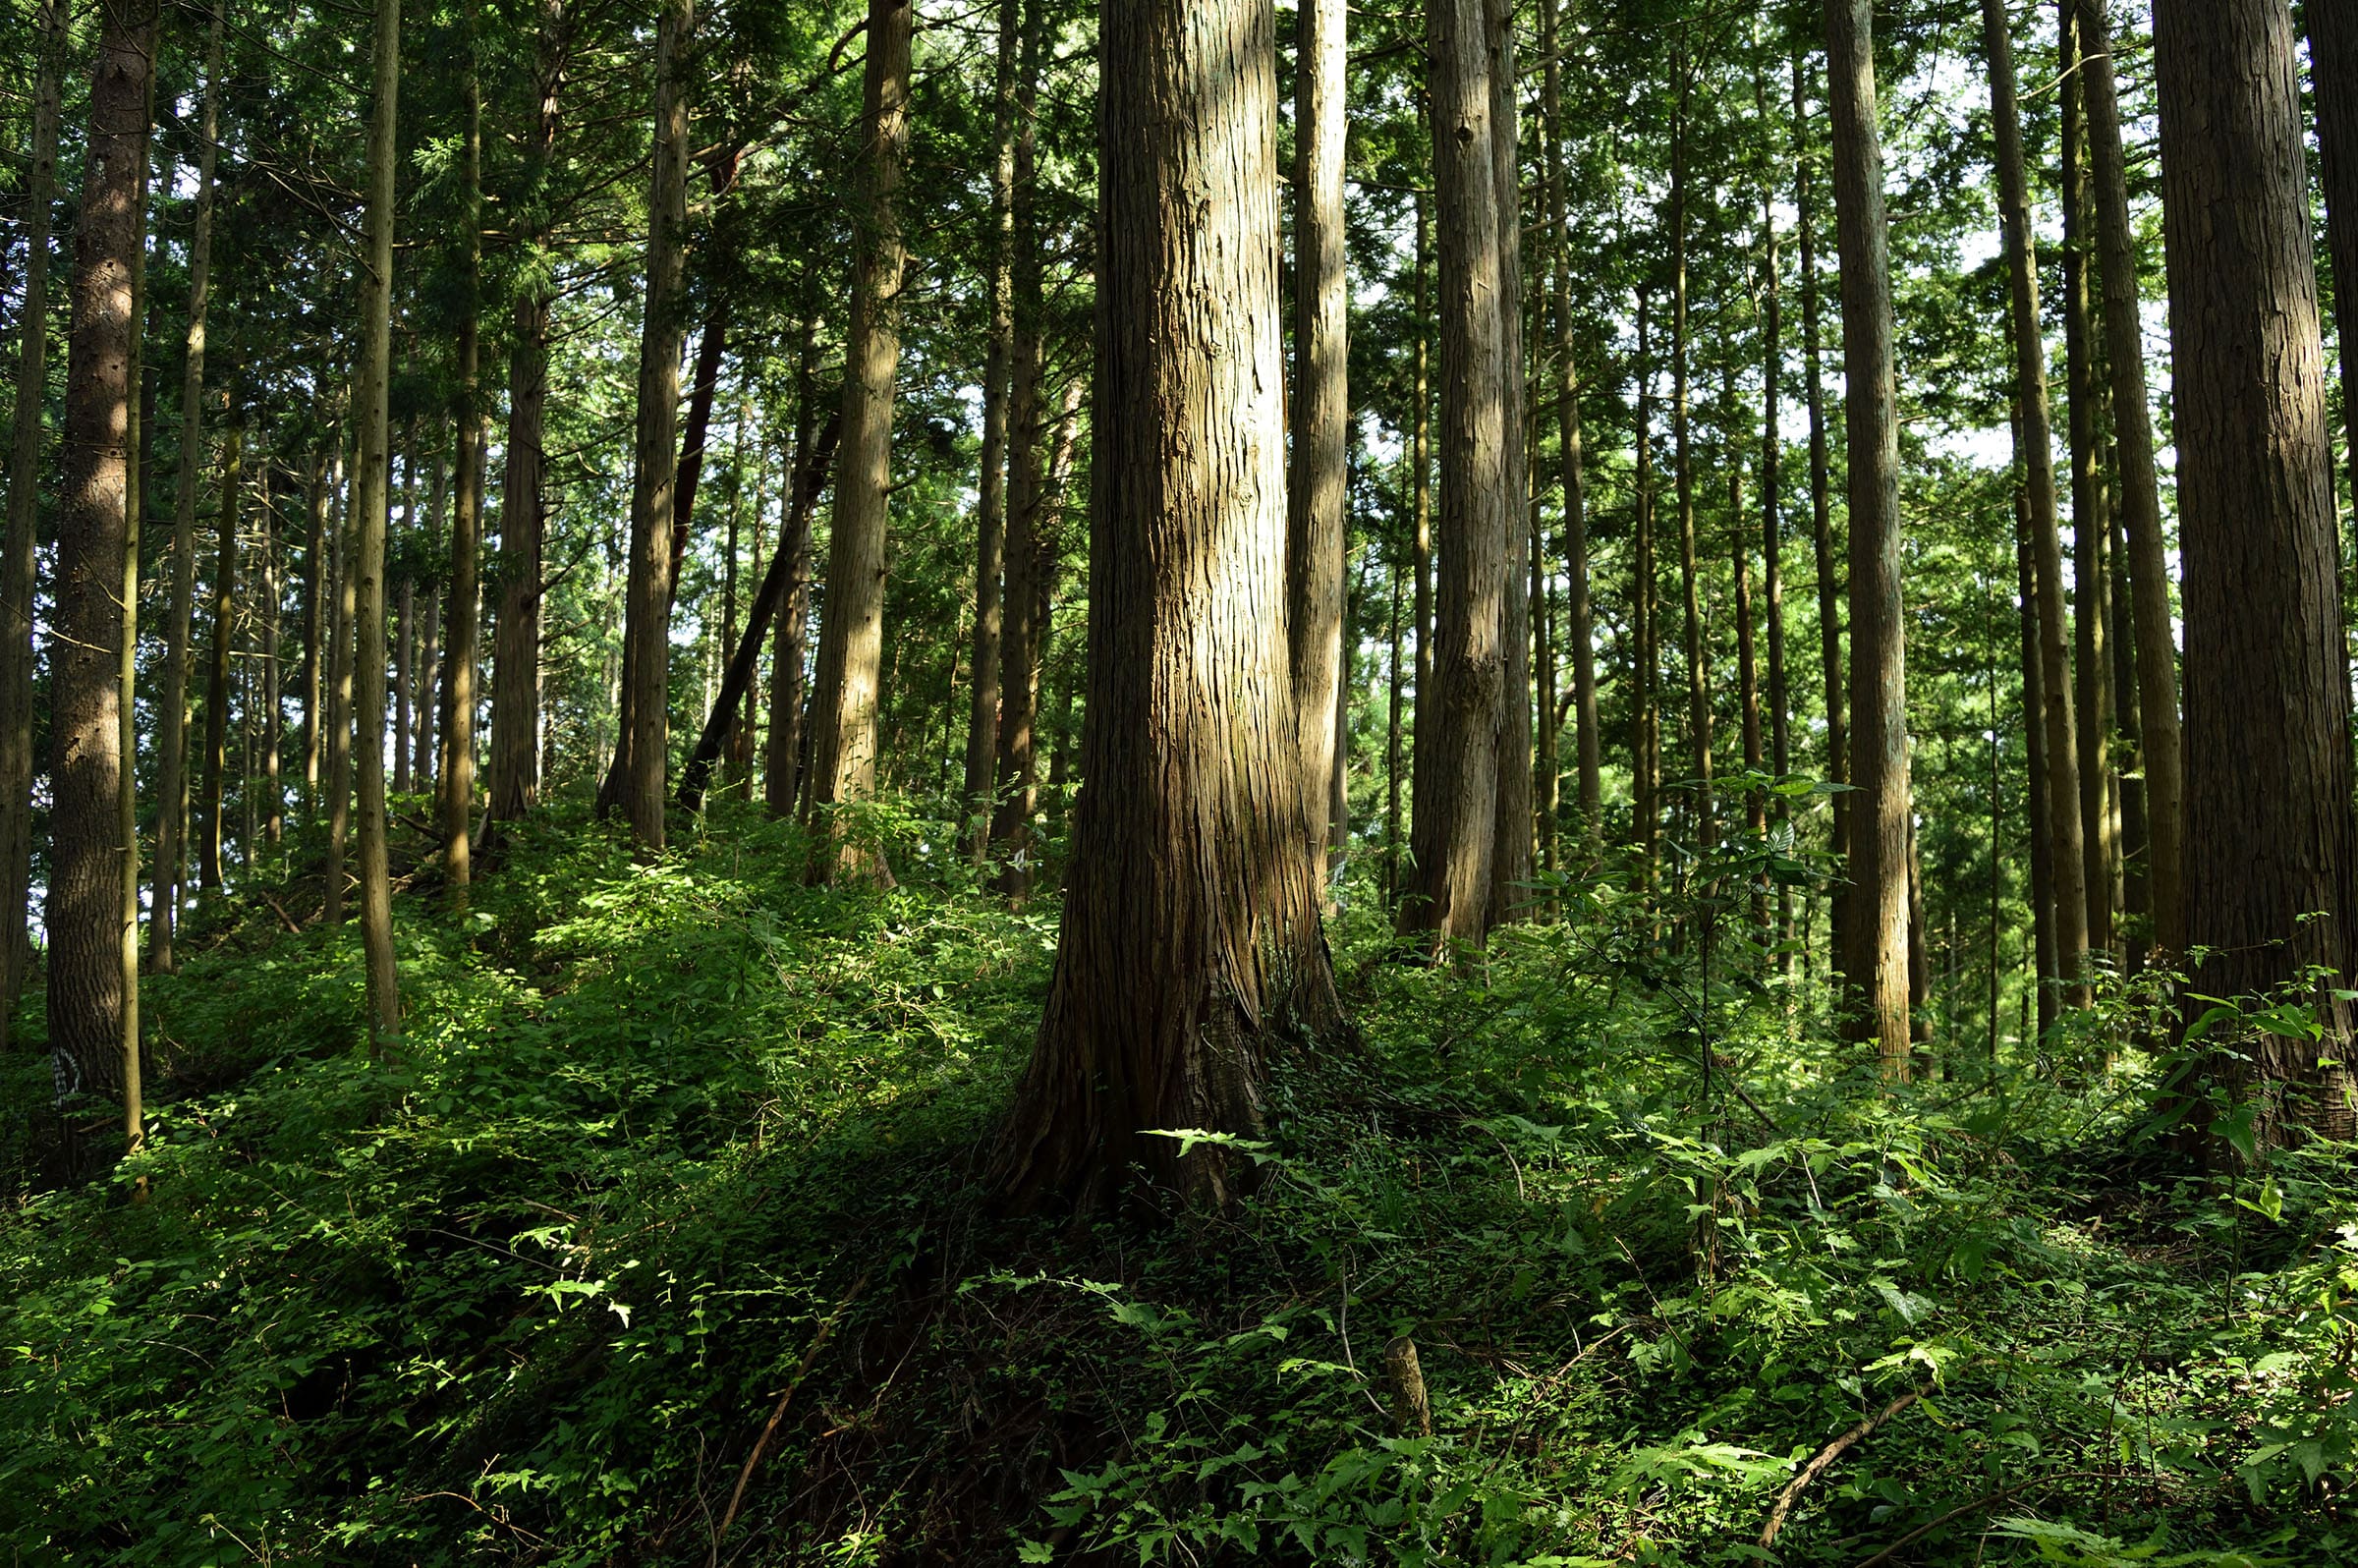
[140,439]
[848,692]
[1821,525]
[1318,479]
[1579,631]
[2268,833]
[2038,786]
[637,782]
[1419,456]
[1510,855]
[211,831]
[990,512]
[782,769]
[1879,737]
[371,483]
[456,780]
[339,698]
[82,915]
[17,555]
[1455,831]
[2156,689]
[2062,788]
[1191,942]
[172,728]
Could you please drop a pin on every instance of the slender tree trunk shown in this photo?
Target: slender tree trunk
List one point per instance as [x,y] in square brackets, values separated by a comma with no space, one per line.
[2156,690]
[17,555]
[782,766]
[1646,723]
[2064,789]
[1699,695]
[851,644]
[1419,456]
[457,781]
[1878,737]
[405,624]
[1821,526]
[711,344]
[82,915]
[274,806]
[369,508]
[316,585]
[1170,990]
[1748,666]
[2268,832]
[341,615]
[1320,413]
[990,512]
[1393,757]
[637,783]
[2038,793]
[216,681]
[172,709]
[1587,741]
[1772,524]
[1511,857]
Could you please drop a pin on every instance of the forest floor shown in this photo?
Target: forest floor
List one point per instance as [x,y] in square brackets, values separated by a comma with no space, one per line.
[657,1240]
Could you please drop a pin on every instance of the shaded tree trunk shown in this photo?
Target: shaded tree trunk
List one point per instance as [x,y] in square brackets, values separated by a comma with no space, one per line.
[1878,741]
[1510,856]
[1821,525]
[1419,456]
[2268,833]
[1320,415]
[1579,631]
[341,614]
[82,914]
[1191,940]
[318,583]
[210,828]
[782,768]
[2038,792]
[990,511]
[1772,524]
[456,783]
[404,627]
[1682,474]
[848,692]
[1646,719]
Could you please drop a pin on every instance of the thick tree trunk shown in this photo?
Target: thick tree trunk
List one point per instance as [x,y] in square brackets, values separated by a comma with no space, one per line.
[138,448]
[457,781]
[636,783]
[849,689]
[17,554]
[1878,737]
[1320,415]
[1821,526]
[2156,690]
[782,769]
[1191,940]
[369,533]
[210,828]
[1579,631]
[2268,833]
[2062,788]
[172,709]
[82,915]
[1455,832]
[990,511]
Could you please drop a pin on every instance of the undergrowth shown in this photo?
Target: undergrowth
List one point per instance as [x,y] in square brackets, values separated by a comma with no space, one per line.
[669,1155]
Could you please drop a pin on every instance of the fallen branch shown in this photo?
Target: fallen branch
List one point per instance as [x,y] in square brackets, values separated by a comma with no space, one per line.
[1827,1456]
[778,1412]
[280,910]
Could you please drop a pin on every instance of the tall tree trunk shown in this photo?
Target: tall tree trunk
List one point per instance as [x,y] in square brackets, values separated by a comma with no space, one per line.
[138,448]
[341,613]
[850,645]
[172,729]
[82,915]
[2268,832]
[711,344]
[1419,456]
[1579,631]
[514,763]
[1191,934]
[372,484]
[210,829]
[1510,855]
[274,806]
[457,781]
[638,764]
[990,512]
[1645,720]
[2038,793]
[2157,688]
[1821,525]
[17,555]
[1317,481]
[1772,523]
[1878,737]
[405,621]
[1393,756]
[2062,787]
[2090,678]
[1699,695]
[782,765]
[316,585]
[1748,666]
[1455,830]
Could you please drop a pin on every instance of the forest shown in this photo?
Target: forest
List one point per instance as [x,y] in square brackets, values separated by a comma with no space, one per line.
[1529,783]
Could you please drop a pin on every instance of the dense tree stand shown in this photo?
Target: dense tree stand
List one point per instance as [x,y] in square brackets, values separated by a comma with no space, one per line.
[1191,940]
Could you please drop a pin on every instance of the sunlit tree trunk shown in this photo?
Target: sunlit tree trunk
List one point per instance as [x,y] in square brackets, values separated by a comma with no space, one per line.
[1320,413]
[1748,666]
[2268,833]
[848,692]
[82,915]
[1189,943]
[1419,456]
[136,447]
[456,783]
[1878,741]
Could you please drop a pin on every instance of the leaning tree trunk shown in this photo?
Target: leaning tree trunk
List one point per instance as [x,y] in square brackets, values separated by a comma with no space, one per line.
[17,555]
[990,511]
[370,484]
[2268,832]
[1191,936]
[644,739]
[457,779]
[1321,409]
[1879,771]
[851,646]
[2157,691]
[1454,834]
[82,915]
[2033,452]
[172,729]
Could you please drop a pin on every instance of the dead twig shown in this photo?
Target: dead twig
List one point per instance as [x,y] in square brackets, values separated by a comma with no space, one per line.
[1827,1456]
[778,1412]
